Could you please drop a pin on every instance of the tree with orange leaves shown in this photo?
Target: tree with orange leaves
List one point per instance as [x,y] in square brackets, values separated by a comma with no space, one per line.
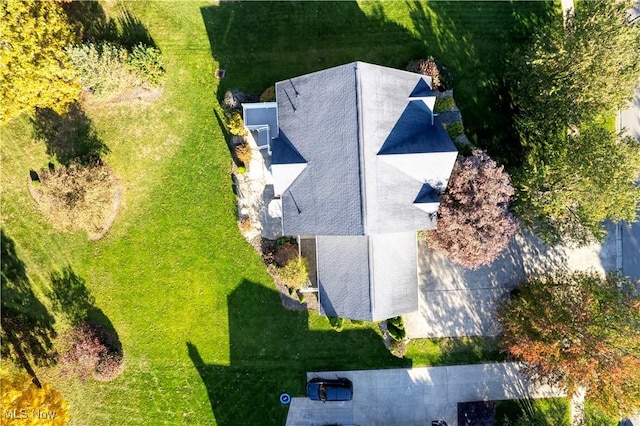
[24,403]
[578,329]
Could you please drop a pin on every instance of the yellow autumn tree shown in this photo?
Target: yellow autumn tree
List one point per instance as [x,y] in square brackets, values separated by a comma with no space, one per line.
[35,70]
[24,403]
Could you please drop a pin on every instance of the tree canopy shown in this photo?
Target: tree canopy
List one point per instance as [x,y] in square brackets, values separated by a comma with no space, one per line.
[25,403]
[575,72]
[567,190]
[578,329]
[35,70]
[474,222]
[566,84]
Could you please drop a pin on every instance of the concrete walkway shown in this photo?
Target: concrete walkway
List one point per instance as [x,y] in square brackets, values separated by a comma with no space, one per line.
[255,193]
[455,301]
[415,396]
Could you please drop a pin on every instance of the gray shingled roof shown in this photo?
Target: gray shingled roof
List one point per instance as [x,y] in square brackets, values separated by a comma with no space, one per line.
[370,142]
[318,114]
[367,278]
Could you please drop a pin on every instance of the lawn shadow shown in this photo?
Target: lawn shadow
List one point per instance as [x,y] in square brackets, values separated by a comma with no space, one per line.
[475,40]
[69,295]
[91,24]
[69,136]
[132,30]
[259,43]
[271,350]
[71,298]
[27,325]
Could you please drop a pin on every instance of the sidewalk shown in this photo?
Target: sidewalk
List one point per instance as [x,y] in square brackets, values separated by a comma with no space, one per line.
[415,396]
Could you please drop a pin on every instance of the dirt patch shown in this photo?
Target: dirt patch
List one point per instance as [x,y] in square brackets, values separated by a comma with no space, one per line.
[96,232]
[132,96]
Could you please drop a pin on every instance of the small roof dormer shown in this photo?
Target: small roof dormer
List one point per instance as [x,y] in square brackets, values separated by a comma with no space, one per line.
[286,164]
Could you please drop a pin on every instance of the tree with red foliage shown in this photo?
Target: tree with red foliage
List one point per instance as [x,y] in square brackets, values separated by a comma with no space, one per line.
[579,329]
[474,222]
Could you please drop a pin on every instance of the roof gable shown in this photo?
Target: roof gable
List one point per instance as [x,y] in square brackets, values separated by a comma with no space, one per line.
[422,90]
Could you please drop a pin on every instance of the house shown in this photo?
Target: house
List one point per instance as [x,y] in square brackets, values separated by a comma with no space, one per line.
[358,159]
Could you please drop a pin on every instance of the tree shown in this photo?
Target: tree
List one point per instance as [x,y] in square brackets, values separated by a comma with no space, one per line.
[34,68]
[295,273]
[474,222]
[566,191]
[24,403]
[570,74]
[578,329]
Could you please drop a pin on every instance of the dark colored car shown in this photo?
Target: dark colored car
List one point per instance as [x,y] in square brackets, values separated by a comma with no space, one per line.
[330,389]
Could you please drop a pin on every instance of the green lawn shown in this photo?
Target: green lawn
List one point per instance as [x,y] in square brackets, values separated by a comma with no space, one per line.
[199,318]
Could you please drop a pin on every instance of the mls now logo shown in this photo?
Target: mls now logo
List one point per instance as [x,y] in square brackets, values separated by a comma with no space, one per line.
[22,414]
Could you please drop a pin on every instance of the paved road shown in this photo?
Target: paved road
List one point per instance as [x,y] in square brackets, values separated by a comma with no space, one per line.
[415,396]
[630,121]
[631,250]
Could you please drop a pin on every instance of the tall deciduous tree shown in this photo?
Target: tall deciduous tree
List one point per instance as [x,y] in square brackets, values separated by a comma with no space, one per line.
[569,79]
[566,191]
[35,70]
[474,222]
[578,329]
[24,403]
[573,73]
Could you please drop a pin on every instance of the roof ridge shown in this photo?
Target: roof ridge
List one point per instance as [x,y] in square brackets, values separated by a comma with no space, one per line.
[360,136]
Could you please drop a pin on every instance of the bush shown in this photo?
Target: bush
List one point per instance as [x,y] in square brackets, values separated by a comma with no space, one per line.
[269,95]
[235,124]
[455,129]
[336,323]
[395,327]
[295,273]
[285,253]
[146,63]
[245,225]
[426,67]
[93,351]
[398,348]
[244,153]
[444,104]
[78,197]
[101,67]
[233,99]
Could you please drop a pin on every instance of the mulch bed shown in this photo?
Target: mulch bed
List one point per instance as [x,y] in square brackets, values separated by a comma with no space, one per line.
[267,248]
[479,413]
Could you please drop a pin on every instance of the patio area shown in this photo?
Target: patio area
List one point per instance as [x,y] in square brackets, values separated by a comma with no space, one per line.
[255,195]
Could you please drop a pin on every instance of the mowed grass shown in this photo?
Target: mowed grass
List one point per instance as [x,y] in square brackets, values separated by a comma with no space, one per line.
[205,336]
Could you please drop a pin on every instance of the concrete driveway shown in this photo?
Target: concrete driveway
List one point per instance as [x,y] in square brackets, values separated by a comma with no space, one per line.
[629,119]
[455,301]
[415,396]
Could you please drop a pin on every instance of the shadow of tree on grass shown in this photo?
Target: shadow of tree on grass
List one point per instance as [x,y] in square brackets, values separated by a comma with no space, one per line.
[27,325]
[71,298]
[271,350]
[92,24]
[68,136]
[259,43]
[475,40]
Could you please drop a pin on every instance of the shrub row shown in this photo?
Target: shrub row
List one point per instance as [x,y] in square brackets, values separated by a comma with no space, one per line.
[106,68]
